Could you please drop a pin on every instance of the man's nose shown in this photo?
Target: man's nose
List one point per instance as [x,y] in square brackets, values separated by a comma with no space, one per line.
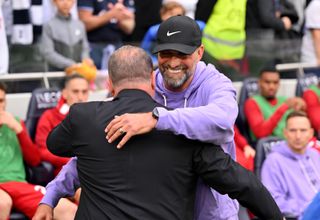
[174,61]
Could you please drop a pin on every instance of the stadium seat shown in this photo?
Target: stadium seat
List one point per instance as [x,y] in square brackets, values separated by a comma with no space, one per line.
[249,88]
[263,148]
[305,81]
[41,100]
[17,216]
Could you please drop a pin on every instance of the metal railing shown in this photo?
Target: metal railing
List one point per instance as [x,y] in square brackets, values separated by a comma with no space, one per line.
[296,66]
[44,76]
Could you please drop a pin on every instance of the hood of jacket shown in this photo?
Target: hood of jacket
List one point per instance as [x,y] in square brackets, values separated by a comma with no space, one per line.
[202,72]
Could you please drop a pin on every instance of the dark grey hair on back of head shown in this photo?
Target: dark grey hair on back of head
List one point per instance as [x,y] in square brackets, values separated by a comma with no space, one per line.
[130,64]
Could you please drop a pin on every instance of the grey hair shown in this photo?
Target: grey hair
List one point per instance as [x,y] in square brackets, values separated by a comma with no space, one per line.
[129,64]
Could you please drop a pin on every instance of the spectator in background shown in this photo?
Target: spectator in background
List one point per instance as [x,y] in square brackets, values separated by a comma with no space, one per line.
[64,40]
[269,32]
[76,89]
[225,43]
[146,15]
[266,113]
[189,6]
[169,9]
[291,171]
[312,99]
[16,147]
[310,49]
[245,153]
[106,23]
[50,10]
[4,53]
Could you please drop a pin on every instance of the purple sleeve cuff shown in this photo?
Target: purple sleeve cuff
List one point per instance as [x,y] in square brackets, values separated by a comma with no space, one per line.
[64,185]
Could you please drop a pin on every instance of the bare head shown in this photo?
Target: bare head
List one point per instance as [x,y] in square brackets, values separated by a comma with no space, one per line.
[130,67]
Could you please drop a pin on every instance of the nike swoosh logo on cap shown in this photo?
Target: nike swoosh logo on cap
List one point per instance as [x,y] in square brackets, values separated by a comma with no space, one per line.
[172,33]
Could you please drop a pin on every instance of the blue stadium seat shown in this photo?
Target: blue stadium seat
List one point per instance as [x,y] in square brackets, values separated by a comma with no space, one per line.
[305,82]
[249,88]
[41,100]
[263,148]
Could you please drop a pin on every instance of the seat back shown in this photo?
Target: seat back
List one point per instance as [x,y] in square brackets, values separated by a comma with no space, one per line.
[263,148]
[41,100]
[249,88]
[304,82]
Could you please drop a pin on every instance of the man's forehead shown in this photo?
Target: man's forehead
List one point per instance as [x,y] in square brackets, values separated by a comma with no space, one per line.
[78,83]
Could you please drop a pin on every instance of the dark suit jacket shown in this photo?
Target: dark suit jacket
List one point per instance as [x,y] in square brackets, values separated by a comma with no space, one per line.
[154,176]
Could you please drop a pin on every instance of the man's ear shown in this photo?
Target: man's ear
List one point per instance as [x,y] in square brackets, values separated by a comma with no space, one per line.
[109,86]
[200,52]
[153,80]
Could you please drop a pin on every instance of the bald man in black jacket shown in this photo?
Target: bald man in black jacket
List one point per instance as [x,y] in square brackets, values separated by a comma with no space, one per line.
[155,175]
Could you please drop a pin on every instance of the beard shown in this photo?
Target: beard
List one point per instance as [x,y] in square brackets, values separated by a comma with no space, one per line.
[174,82]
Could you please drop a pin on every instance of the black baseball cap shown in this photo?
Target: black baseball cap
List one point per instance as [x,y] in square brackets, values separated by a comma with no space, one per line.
[179,33]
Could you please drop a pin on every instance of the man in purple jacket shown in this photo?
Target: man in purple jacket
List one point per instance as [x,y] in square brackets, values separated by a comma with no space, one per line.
[291,171]
[205,109]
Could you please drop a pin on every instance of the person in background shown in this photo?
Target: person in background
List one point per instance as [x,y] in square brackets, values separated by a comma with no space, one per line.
[76,89]
[266,112]
[245,153]
[291,171]
[64,41]
[16,147]
[310,49]
[106,22]
[4,53]
[312,98]
[225,43]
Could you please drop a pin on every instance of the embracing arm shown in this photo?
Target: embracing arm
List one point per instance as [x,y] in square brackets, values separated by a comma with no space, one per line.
[212,122]
[64,185]
[220,172]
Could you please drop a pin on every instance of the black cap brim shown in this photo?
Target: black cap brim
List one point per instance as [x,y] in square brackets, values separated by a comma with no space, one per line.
[174,46]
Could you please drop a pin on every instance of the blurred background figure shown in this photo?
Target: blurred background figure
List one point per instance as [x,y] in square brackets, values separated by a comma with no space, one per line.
[64,39]
[266,112]
[16,147]
[189,6]
[310,50]
[4,53]
[291,171]
[224,37]
[76,90]
[106,22]
[312,98]
[245,153]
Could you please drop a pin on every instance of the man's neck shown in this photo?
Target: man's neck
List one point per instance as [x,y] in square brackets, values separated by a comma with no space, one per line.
[141,86]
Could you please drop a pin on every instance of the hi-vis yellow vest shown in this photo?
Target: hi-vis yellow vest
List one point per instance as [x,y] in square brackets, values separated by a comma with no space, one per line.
[224,34]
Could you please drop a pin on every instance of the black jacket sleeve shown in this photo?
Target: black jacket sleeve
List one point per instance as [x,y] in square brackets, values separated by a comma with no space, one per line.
[223,174]
[267,15]
[59,141]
